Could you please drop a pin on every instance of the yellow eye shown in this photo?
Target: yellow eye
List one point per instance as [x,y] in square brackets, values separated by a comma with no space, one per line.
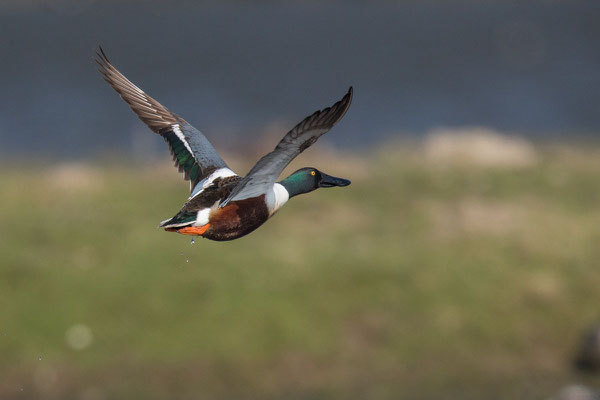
[313,173]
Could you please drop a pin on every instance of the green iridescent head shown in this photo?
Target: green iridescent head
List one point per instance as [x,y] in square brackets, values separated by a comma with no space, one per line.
[308,179]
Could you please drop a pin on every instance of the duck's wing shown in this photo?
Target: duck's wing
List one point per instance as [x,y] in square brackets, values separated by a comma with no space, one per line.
[266,171]
[192,152]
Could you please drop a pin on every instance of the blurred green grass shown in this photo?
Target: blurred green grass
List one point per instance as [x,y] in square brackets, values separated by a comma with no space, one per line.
[420,280]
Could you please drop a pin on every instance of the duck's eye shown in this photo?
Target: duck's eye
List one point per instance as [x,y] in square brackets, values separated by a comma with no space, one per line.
[313,173]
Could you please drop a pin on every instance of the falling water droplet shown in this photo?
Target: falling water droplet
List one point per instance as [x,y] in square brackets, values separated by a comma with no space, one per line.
[40,358]
[187,260]
[193,241]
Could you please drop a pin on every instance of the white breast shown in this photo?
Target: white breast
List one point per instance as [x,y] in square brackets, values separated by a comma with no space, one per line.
[276,198]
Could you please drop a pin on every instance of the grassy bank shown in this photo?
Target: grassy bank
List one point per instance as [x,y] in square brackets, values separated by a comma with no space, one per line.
[424,279]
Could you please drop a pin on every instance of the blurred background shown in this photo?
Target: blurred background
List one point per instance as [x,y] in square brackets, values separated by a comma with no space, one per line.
[462,262]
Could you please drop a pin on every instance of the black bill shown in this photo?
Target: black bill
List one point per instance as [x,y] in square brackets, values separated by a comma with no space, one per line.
[331,181]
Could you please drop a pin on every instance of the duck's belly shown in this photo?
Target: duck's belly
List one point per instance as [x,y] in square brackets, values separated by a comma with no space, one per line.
[237,219]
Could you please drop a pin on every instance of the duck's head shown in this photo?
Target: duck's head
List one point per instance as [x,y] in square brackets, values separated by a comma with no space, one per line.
[308,179]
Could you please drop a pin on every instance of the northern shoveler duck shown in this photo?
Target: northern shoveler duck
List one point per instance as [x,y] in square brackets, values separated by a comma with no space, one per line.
[223,205]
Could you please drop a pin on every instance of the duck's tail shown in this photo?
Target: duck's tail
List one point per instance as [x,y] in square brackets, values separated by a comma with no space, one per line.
[178,221]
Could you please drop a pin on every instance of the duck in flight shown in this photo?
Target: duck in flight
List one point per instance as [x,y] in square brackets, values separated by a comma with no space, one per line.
[223,205]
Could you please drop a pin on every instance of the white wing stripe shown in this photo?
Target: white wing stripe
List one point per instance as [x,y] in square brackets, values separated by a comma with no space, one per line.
[220,173]
[206,182]
[181,137]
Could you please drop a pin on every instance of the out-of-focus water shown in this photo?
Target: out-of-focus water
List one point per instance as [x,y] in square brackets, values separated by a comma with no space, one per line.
[235,69]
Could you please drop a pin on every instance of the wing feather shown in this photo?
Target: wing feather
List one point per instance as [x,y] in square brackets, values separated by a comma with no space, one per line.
[192,152]
[266,171]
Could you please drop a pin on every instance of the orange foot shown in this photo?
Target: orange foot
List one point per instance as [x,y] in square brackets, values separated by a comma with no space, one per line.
[190,230]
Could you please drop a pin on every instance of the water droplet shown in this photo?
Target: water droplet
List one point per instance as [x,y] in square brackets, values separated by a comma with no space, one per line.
[187,260]
[21,389]
[193,241]
[40,358]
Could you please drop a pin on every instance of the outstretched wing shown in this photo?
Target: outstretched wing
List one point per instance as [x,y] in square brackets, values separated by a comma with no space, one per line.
[192,152]
[266,171]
